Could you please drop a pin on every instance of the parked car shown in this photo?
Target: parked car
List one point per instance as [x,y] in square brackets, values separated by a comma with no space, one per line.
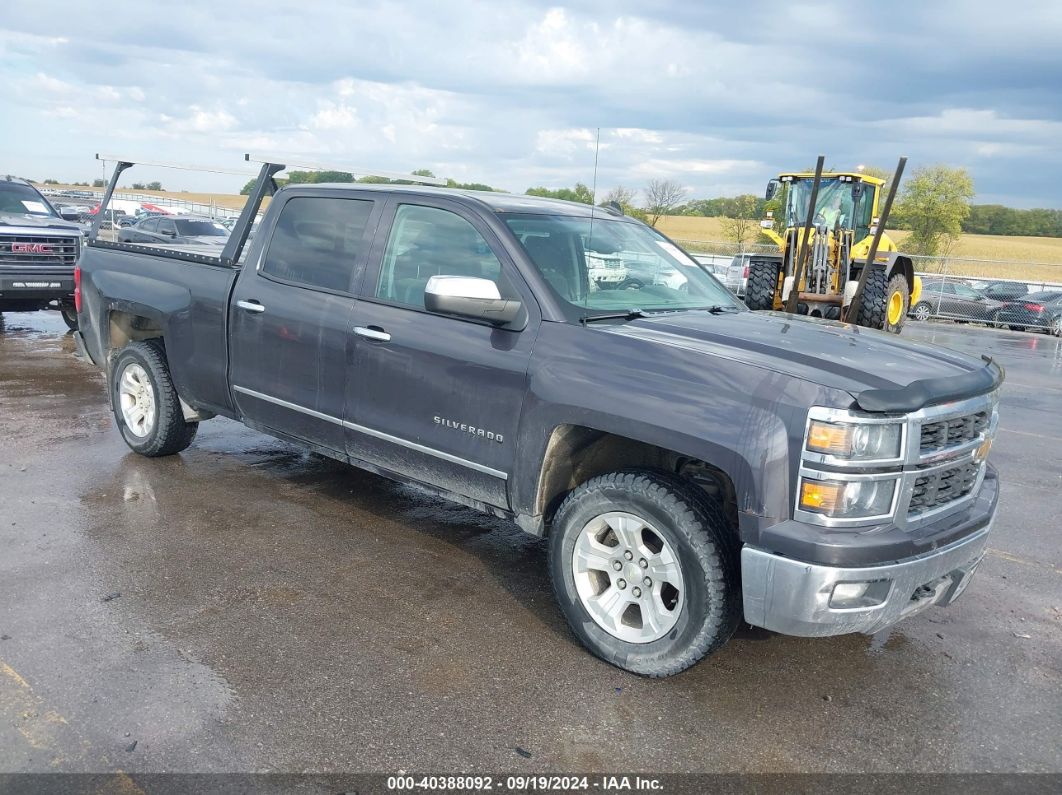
[1041,310]
[692,463]
[954,300]
[175,230]
[1002,291]
[38,251]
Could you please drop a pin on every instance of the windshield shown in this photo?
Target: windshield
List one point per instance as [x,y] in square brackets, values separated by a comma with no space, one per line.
[200,228]
[834,206]
[615,265]
[18,199]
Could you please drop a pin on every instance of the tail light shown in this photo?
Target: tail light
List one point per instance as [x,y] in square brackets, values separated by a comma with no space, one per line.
[1034,307]
[77,287]
[745,272]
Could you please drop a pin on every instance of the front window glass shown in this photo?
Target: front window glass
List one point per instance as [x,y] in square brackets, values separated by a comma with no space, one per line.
[200,229]
[614,265]
[18,199]
[426,242]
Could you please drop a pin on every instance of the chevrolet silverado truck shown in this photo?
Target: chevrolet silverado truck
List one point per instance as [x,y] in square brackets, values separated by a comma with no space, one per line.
[38,251]
[691,463]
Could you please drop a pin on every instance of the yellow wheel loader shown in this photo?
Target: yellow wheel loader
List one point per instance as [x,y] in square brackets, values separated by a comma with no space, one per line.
[839,236]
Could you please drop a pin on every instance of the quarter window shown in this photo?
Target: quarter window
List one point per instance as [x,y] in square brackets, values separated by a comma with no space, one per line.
[317,242]
[426,242]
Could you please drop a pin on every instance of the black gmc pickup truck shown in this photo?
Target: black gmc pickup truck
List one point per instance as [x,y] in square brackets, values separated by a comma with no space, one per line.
[692,463]
[38,251]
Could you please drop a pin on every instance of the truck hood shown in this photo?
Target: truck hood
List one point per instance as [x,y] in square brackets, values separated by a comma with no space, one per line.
[829,353]
[26,221]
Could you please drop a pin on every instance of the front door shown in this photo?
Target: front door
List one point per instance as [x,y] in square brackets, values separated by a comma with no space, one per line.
[438,398]
[291,344]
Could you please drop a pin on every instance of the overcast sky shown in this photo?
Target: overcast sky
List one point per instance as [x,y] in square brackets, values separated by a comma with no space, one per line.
[717,96]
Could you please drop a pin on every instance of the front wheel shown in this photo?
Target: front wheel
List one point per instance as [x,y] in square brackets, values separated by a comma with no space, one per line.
[897,303]
[922,311]
[645,570]
[873,308]
[762,284]
[69,313]
[1056,326]
[145,403]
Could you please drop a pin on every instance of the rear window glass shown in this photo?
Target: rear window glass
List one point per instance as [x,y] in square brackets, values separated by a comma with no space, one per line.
[200,229]
[316,242]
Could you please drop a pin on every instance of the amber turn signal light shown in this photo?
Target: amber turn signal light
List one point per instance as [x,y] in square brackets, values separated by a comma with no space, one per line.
[821,496]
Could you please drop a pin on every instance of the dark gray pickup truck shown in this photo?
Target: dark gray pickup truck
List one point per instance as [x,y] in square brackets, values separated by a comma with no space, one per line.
[692,463]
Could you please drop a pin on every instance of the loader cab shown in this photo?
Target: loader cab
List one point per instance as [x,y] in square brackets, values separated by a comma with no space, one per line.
[845,200]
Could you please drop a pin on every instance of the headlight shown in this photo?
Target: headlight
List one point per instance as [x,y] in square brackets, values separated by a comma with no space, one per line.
[855,442]
[848,499]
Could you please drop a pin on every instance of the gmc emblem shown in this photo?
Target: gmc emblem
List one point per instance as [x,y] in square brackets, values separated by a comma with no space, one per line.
[30,248]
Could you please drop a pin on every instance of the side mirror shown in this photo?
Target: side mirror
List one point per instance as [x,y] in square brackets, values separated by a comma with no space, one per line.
[857,191]
[772,189]
[469,297]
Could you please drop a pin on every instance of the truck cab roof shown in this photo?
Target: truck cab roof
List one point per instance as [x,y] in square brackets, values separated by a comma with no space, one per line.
[493,200]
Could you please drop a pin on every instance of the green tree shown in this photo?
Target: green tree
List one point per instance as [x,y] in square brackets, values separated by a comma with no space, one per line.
[138,186]
[743,225]
[580,193]
[933,204]
[98,183]
[154,186]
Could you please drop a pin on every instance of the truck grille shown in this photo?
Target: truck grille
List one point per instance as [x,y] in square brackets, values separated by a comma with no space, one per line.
[942,434]
[38,250]
[942,487]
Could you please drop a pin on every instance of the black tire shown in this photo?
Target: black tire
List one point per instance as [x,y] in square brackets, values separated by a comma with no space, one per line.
[897,286]
[762,284]
[69,314]
[1017,328]
[875,295]
[1055,326]
[170,433]
[631,284]
[704,545]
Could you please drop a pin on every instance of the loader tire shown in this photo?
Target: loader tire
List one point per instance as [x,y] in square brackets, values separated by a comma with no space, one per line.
[762,284]
[897,302]
[872,309]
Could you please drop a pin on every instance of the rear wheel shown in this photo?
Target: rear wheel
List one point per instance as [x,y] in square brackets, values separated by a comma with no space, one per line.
[922,311]
[645,570]
[762,284]
[145,403]
[897,303]
[1056,326]
[872,309]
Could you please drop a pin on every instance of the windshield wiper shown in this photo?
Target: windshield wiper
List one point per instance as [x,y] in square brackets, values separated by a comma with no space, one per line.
[721,309]
[630,314]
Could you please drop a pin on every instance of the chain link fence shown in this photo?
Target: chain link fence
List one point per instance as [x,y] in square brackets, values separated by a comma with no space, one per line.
[1022,296]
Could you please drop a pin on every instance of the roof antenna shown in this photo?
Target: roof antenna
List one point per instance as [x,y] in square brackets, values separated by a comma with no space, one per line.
[597,151]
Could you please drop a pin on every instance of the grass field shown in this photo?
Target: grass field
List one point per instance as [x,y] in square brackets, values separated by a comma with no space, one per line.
[1016,257]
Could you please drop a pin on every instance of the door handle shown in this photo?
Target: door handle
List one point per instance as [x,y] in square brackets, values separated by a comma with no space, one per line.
[372,333]
[250,306]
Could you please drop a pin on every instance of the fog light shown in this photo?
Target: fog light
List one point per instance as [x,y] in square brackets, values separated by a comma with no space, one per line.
[847,595]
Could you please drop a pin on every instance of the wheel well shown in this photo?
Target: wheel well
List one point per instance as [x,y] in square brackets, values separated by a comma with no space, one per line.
[126,327]
[903,265]
[575,454]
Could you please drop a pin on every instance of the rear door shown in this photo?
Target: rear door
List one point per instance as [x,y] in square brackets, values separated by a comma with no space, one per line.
[438,398]
[291,310]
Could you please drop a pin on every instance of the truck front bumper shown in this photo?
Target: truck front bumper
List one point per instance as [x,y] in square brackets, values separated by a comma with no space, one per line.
[796,598]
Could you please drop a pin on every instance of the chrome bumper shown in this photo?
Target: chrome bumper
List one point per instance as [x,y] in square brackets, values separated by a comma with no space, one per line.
[794,598]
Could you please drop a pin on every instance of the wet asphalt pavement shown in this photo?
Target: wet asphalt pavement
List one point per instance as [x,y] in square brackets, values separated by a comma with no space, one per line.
[246,606]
